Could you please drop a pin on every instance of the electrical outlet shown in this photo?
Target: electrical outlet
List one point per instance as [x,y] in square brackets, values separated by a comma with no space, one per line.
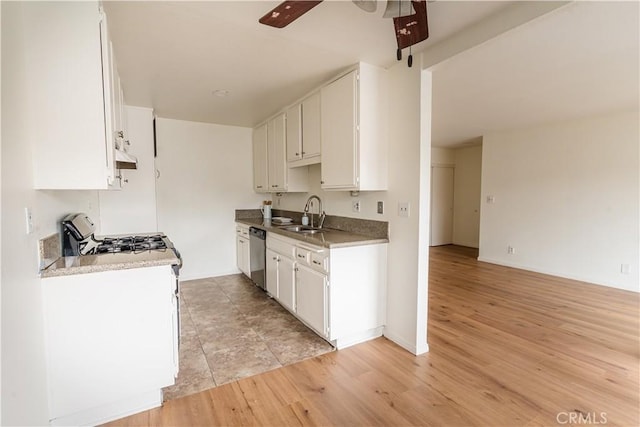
[380,207]
[491,199]
[355,205]
[511,250]
[403,209]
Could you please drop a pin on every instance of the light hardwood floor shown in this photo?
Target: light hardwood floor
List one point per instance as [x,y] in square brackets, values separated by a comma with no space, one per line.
[507,348]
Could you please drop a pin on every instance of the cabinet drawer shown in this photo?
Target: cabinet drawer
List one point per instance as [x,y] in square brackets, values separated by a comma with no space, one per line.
[281,246]
[316,258]
[242,230]
[320,261]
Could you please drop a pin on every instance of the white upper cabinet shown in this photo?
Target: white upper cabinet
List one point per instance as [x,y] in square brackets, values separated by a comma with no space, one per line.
[69,103]
[354,131]
[294,133]
[303,132]
[276,153]
[270,170]
[311,127]
[260,175]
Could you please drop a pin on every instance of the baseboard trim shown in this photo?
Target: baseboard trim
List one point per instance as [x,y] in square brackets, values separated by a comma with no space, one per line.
[112,411]
[358,338]
[551,273]
[412,348]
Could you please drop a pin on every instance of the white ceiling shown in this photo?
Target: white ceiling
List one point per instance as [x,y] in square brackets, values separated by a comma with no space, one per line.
[581,59]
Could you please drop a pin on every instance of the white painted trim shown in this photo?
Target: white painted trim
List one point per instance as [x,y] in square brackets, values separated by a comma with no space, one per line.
[424,214]
[550,273]
[358,338]
[113,411]
[423,348]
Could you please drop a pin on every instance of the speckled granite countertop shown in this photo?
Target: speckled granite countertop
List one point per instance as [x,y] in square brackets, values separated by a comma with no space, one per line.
[66,266]
[329,238]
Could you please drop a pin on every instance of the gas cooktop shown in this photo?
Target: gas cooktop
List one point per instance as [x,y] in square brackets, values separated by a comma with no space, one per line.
[131,244]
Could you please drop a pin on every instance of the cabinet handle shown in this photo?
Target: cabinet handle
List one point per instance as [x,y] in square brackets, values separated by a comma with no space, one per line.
[316,262]
[275,258]
[297,154]
[259,186]
[301,256]
[321,182]
[304,152]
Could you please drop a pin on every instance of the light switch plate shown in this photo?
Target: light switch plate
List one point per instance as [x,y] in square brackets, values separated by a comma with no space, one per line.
[29,220]
[380,207]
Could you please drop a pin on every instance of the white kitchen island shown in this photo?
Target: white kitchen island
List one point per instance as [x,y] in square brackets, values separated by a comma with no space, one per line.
[111,340]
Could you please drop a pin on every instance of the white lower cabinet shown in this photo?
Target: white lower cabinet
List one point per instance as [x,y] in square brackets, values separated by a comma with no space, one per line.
[243,250]
[311,298]
[286,283]
[111,343]
[271,265]
[340,293]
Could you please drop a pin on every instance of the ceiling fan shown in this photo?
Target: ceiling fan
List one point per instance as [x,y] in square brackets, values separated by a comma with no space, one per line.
[409,18]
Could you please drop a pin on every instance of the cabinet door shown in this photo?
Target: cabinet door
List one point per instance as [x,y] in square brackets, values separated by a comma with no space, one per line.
[272,273]
[294,133]
[286,283]
[276,153]
[311,299]
[240,253]
[311,126]
[246,258]
[64,70]
[260,176]
[339,133]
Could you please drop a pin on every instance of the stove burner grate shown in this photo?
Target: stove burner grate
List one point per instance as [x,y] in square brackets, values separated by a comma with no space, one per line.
[131,244]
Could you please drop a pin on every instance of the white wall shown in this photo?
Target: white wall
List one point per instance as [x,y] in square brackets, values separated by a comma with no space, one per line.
[566,198]
[24,396]
[443,156]
[466,196]
[206,173]
[132,209]
[407,282]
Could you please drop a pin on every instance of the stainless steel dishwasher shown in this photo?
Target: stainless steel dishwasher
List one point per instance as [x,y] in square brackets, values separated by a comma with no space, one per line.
[257,242]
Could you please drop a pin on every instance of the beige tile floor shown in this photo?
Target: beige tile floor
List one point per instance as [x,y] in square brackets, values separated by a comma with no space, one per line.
[231,330]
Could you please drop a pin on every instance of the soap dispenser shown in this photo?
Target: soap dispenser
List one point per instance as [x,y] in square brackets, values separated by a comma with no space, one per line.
[305,219]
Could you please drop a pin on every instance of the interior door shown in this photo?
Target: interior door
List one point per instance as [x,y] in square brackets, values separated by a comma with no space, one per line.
[441,205]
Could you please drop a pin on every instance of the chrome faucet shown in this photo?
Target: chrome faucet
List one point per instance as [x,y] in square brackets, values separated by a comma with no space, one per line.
[320,211]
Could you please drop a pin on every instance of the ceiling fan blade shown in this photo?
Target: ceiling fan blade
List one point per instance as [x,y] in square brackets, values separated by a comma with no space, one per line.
[366,5]
[287,12]
[414,28]
[397,8]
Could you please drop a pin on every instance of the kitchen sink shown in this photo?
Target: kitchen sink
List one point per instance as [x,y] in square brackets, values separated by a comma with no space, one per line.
[303,229]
